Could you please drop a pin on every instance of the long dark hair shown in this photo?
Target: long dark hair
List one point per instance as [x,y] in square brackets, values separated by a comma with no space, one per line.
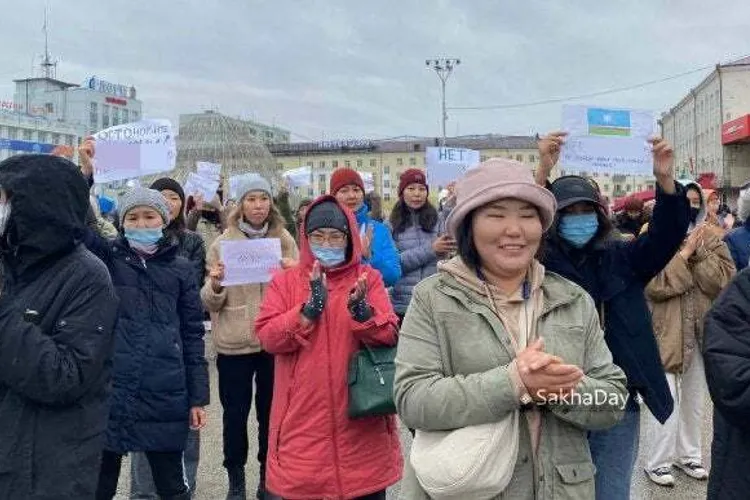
[401,217]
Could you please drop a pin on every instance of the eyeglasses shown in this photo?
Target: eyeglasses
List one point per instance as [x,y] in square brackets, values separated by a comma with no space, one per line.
[334,239]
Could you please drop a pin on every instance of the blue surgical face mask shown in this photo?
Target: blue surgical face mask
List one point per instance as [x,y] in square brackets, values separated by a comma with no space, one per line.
[328,257]
[144,236]
[578,229]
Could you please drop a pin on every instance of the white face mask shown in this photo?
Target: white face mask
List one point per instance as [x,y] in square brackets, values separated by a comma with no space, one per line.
[4,217]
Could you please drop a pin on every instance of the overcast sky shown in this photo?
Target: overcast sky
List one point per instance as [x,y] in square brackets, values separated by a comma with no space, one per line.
[350,69]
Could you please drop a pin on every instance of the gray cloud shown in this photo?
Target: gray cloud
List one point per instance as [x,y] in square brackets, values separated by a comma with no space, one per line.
[346,68]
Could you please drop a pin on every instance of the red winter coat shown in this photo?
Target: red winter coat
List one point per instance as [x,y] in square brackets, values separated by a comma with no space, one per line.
[315,450]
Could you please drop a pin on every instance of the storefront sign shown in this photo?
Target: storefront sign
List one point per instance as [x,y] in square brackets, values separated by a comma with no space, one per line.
[109,88]
[9,106]
[116,100]
[26,146]
[736,131]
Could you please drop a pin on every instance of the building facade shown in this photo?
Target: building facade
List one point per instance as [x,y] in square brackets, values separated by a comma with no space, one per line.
[93,106]
[710,129]
[267,134]
[21,133]
[386,160]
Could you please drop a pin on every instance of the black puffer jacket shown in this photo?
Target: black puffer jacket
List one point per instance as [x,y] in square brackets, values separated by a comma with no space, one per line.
[160,370]
[57,314]
[190,245]
[615,274]
[726,353]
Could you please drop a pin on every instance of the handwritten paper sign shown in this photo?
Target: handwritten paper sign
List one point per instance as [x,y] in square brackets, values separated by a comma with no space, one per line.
[238,182]
[607,140]
[250,261]
[445,165]
[369,181]
[134,149]
[299,177]
[208,170]
[198,184]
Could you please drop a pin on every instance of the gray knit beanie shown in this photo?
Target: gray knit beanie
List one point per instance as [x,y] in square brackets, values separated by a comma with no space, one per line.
[253,184]
[143,197]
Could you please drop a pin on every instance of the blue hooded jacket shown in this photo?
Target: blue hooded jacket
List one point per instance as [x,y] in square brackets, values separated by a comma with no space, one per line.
[384,256]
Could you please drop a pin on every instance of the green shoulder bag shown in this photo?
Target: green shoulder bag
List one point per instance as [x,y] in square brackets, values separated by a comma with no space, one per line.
[371,372]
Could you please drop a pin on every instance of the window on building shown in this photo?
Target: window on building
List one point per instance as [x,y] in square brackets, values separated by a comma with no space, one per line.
[627,187]
[347,164]
[125,116]
[482,158]
[310,164]
[27,135]
[280,166]
[519,157]
[386,183]
[387,197]
[134,115]
[322,191]
[115,116]
[400,162]
[412,161]
[310,191]
[532,158]
[49,108]
[322,164]
[387,169]
[606,188]
[322,179]
[359,163]
[373,163]
[94,114]
[12,133]
[56,139]
[335,163]
[70,140]
[562,173]
[105,116]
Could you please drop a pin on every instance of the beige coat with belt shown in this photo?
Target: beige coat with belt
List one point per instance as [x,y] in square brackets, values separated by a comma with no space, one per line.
[453,370]
[234,308]
[681,295]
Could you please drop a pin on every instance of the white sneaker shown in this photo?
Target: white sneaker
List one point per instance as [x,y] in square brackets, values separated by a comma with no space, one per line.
[661,476]
[693,469]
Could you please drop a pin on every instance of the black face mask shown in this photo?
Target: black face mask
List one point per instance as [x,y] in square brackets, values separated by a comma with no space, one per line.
[694,214]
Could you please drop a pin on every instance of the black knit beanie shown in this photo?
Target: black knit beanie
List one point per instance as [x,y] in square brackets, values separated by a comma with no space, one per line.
[168,183]
[171,184]
[326,215]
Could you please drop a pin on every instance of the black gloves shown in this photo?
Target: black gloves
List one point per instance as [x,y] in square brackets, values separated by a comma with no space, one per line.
[317,301]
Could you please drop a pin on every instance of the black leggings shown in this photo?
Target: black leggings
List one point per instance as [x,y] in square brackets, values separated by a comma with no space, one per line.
[166,467]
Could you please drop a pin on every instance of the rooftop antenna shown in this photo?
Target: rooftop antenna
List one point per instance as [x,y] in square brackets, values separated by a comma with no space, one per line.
[49,67]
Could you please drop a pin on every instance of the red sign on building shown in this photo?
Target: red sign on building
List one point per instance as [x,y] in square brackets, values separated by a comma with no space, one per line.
[736,131]
[116,100]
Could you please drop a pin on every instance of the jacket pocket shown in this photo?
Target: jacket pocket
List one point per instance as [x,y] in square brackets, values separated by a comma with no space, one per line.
[232,328]
[574,481]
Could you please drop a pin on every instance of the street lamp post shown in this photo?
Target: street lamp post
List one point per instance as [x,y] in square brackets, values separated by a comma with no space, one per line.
[443,67]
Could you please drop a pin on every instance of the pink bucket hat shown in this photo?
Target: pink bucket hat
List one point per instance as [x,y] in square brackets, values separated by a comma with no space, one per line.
[495,179]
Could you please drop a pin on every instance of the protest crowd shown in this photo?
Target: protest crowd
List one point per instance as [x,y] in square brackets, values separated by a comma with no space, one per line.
[518,329]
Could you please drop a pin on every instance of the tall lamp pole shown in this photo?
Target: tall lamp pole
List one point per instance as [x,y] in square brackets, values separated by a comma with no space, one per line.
[443,67]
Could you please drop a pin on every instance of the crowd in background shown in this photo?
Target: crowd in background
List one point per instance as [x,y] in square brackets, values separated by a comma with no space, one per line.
[530,326]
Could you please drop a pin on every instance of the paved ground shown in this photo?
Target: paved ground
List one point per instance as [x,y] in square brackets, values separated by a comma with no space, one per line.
[212,482]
